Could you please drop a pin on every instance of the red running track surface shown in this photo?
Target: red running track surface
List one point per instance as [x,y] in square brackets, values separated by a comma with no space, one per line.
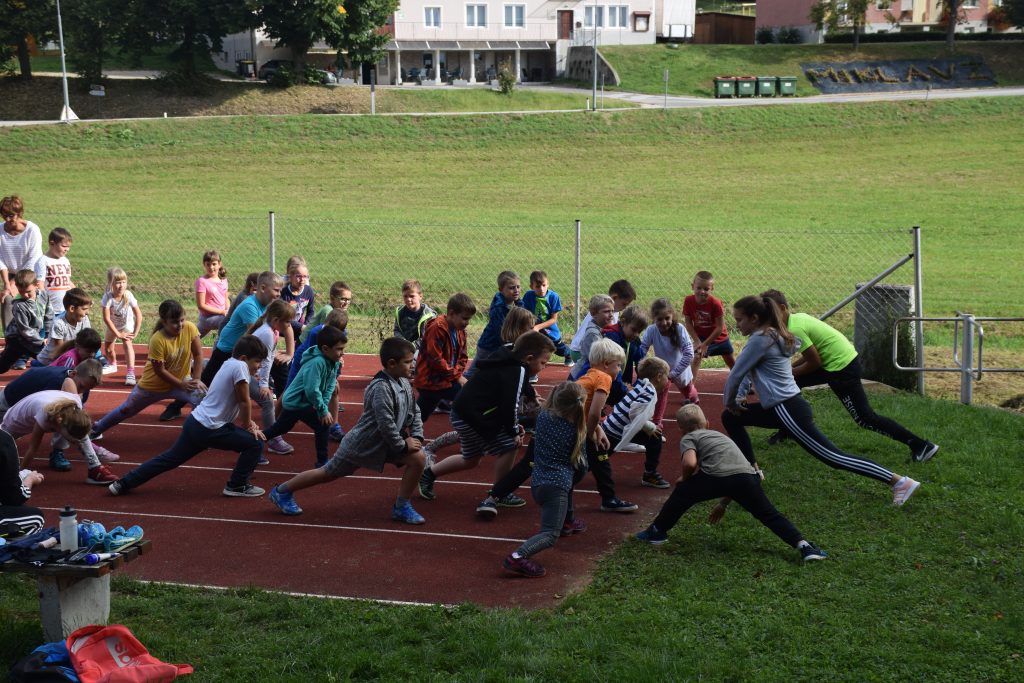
[345,544]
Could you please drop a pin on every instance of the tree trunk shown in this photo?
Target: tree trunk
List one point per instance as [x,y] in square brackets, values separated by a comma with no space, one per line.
[954,12]
[856,36]
[23,60]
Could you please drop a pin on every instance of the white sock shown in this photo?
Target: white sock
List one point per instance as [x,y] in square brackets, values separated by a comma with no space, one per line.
[516,556]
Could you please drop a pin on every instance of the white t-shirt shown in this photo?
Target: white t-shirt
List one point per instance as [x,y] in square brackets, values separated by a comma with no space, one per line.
[30,411]
[219,406]
[266,334]
[61,331]
[21,251]
[56,280]
[121,313]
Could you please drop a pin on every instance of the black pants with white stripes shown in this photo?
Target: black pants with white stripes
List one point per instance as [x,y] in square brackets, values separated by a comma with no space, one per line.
[19,520]
[794,414]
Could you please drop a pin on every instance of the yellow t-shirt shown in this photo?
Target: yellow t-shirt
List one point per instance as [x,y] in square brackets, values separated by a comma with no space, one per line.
[174,352]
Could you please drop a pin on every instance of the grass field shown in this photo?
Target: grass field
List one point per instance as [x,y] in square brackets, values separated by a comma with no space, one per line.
[692,67]
[930,591]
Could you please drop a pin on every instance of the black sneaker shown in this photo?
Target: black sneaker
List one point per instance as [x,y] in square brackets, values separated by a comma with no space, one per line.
[427,485]
[812,552]
[652,535]
[777,438]
[171,412]
[244,491]
[654,480]
[925,452]
[618,505]
[117,488]
[511,501]
[488,508]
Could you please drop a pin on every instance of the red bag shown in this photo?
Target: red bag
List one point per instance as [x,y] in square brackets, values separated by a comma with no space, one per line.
[111,654]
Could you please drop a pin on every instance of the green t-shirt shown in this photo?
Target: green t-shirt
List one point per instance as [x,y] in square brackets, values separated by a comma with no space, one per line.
[835,349]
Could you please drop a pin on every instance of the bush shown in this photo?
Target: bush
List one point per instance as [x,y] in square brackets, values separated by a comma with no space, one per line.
[765,35]
[789,35]
[506,77]
[282,78]
[311,75]
[919,37]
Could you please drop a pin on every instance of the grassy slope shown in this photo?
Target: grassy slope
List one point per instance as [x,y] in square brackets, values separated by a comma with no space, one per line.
[933,591]
[692,67]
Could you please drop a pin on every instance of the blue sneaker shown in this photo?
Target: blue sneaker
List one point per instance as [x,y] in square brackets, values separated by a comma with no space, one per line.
[58,461]
[405,513]
[335,432]
[20,364]
[652,535]
[285,501]
[117,539]
[90,534]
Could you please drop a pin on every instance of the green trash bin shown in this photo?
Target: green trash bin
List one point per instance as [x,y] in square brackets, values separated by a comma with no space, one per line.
[746,86]
[787,85]
[725,86]
[766,86]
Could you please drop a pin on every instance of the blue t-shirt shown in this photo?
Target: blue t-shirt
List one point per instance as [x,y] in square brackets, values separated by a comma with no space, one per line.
[543,309]
[47,378]
[244,316]
[555,439]
[296,363]
[490,338]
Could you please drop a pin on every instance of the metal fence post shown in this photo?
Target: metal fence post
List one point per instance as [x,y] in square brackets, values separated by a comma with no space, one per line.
[919,308]
[967,360]
[578,273]
[273,245]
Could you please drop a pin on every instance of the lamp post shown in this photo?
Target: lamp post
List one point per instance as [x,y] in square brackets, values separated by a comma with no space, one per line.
[593,97]
[66,115]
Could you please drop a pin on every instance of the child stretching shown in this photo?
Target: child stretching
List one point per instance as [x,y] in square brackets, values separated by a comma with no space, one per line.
[506,298]
[30,318]
[65,328]
[123,318]
[412,317]
[313,396]
[212,294]
[388,431]
[443,357]
[175,357]
[338,319]
[704,319]
[602,309]
[558,459]
[485,413]
[87,345]
[712,467]
[622,294]
[80,380]
[274,322]
[626,333]
[210,425]
[299,294]
[631,419]
[60,413]
[248,289]
[340,298]
[672,344]
[765,358]
[545,305]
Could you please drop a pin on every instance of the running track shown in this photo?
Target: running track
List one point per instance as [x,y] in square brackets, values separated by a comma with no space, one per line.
[345,545]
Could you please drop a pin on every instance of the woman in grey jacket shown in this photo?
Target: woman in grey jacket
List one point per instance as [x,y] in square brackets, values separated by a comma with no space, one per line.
[765,358]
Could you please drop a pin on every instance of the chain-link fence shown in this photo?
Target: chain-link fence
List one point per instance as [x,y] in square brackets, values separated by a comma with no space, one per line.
[163,256]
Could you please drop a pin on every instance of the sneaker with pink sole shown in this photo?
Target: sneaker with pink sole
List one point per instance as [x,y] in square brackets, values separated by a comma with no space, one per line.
[104,455]
[903,490]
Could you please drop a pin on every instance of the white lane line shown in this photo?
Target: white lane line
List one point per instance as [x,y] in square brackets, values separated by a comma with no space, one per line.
[335,527]
[293,594]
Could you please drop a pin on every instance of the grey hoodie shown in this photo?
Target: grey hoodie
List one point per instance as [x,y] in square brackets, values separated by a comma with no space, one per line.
[765,358]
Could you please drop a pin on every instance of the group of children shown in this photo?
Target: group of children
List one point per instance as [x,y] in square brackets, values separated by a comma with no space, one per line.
[614,399]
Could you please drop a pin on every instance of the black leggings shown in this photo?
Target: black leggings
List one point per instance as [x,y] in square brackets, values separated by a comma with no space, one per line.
[846,385]
[523,470]
[20,520]
[745,489]
[795,415]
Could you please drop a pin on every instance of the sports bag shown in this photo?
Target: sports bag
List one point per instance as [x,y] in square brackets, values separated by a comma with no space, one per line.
[111,654]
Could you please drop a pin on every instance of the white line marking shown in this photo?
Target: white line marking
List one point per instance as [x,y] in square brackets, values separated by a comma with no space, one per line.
[381,601]
[337,527]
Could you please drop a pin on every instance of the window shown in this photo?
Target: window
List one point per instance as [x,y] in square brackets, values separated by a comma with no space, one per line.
[432,17]
[641,22]
[588,16]
[476,15]
[618,16]
[515,16]
[883,4]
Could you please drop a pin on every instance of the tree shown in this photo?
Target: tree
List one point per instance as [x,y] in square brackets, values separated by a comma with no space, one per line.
[362,38]
[299,24]
[90,31]
[952,16]
[1015,12]
[833,14]
[22,20]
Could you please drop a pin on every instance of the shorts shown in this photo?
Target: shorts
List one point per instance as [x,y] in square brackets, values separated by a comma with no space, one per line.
[474,445]
[722,348]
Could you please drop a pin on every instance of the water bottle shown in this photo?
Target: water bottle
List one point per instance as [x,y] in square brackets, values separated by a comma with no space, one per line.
[68,529]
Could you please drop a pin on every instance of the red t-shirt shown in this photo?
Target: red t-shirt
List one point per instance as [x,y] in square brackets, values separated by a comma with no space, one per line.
[703,317]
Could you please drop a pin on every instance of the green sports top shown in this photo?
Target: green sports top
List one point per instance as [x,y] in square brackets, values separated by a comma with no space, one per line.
[835,349]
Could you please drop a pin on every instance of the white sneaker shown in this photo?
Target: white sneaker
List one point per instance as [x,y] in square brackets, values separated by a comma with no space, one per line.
[903,490]
[631,448]
[104,455]
[109,369]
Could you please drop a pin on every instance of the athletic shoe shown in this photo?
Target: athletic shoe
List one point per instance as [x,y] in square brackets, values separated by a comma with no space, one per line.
[109,369]
[903,490]
[429,457]
[285,501]
[117,539]
[510,501]
[90,534]
[104,455]
[777,438]
[264,460]
[652,535]
[129,379]
[443,407]
[691,394]
[405,513]
[534,379]
[523,567]
[279,446]
[925,452]
[335,432]
[488,508]
[654,480]
[100,476]
[812,552]
[58,461]
[95,436]
[568,362]
[171,412]
[427,485]
[631,448]
[618,505]
[576,526]
[19,364]
[243,491]
[117,488]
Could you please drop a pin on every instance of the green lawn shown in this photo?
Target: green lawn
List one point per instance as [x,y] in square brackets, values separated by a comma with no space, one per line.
[692,67]
[931,591]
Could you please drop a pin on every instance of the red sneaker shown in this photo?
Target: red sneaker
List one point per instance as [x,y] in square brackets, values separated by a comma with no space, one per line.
[101,476]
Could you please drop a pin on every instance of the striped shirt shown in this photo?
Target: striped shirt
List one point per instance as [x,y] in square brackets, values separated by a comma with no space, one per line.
[616,423]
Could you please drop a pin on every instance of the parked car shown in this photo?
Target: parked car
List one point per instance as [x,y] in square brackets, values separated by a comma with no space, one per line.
[271,67]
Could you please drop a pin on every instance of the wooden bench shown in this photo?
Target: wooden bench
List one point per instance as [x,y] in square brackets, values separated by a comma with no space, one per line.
[74,595]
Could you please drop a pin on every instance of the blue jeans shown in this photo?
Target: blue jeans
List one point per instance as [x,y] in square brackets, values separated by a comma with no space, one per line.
[194,439]
[137,400]
[287,419]
[555,504]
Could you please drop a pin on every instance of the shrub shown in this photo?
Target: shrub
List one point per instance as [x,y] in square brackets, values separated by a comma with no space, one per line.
[282,78]
[918,37]
[789,35]
[765,35]
[506,77]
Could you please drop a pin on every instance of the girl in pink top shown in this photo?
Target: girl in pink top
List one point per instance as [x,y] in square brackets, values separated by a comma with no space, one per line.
[212,294]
